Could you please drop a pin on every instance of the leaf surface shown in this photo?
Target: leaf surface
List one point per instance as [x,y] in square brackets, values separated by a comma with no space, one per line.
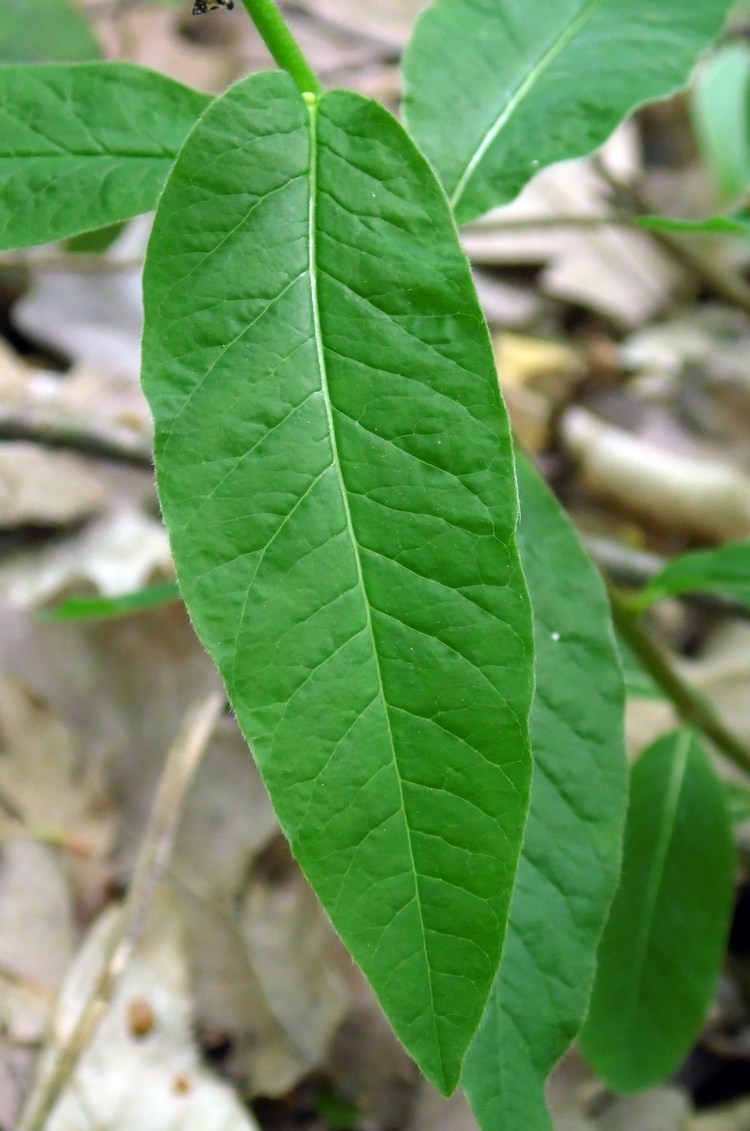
[571,851]
[85,145]
[720,105]
[497,89]
[662,947]
[49,31]
[724,570]
[336,473]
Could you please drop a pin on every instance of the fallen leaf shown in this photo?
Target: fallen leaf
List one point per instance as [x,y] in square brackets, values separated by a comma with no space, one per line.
[132,1081]
[39,487]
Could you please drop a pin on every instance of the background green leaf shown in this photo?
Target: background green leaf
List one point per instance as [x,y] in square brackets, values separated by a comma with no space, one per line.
[724,570]
[571,851]
[45,31]
[336,473]
[721,114]
[737,225]
[85,145]
[662,947]
[105,608]
[497,89]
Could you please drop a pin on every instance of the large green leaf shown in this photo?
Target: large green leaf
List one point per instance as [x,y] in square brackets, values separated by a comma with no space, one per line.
[662,947]
[497,89]
[45,31]
[85,145]
[724,570]
[336,472]
[571,851]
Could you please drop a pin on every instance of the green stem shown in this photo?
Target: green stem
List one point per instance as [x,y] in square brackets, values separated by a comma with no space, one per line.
[282,44]
[690,705]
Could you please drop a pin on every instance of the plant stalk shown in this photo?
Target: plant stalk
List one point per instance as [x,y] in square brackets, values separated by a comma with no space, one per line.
[283,46]
[690,705]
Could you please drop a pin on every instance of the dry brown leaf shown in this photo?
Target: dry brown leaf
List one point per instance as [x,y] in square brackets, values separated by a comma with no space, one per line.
[45,782]
[537,378]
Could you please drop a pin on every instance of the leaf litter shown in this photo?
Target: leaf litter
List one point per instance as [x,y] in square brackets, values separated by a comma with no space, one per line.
[238,991]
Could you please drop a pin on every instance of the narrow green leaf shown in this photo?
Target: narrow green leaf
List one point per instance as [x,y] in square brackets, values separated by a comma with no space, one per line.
[738,802]
[720,104]
[85,145]
[336,472]
[105,608]
[497,89]
[725,570]
[45,31]
[661,952]
[738,225]
[571,851]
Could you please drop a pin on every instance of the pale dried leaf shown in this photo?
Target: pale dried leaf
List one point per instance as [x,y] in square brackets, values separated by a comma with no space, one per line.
[659,1109]
[619,272]
[37,941]
[117,554]
[45,781]
[93,318]
[143,1048]
[434,1113]
[389,21]
[290,947]
[688,494]
[39,487]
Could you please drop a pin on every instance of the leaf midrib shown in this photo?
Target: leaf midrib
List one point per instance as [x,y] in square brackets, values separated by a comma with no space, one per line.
[312,108]
[524,88]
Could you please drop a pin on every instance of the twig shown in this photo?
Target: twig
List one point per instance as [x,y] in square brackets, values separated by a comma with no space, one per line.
[634,569]
[180,768]
[690,705]
[75,264]
[53,430]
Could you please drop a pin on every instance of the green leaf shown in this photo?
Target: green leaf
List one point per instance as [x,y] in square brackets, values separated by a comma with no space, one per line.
[96,241]
[638,683]
[336,472]
[85,145]
[105,608]
[571,851]
[738,802]
[45,31]
[662,947]
[725,570]
[720,106]
[497,89]
[738,225]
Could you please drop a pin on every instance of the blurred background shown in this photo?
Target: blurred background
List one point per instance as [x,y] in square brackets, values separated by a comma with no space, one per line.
[623,347]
